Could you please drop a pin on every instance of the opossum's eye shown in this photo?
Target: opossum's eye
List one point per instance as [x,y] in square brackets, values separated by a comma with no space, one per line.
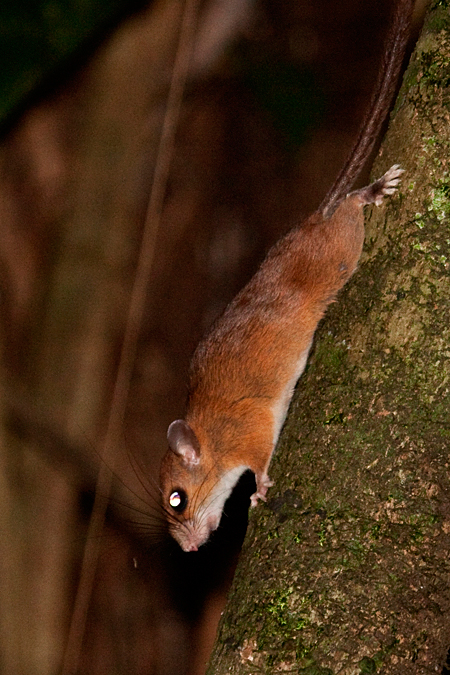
[178,500]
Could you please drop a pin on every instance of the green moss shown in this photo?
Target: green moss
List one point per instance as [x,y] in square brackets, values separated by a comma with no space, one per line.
[315,670]
[330,354]
[366,441]
[440,4]
[419,221]
[367,666]
[277,611]
[435,68]
[285,615]
[375,531]
[336,418]
[440,201]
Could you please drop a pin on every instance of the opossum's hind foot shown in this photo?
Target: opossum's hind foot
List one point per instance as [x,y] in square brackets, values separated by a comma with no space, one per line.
[386,185]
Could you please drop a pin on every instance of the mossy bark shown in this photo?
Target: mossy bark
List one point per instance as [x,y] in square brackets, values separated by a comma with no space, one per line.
[346,569]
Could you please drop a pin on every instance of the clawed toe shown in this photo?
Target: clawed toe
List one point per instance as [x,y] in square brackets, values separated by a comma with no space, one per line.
[262,486]
[254,499]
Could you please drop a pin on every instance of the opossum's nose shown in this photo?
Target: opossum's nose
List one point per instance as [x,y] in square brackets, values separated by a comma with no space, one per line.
[192,547]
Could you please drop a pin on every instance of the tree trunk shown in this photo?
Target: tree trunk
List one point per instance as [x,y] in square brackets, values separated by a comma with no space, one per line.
[346,568]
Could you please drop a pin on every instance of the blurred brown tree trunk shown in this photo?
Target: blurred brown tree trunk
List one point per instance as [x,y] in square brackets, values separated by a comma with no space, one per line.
[69,348]
[347,567]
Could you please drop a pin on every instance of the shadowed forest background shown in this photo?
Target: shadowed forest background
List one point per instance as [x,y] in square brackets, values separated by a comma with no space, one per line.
[274,98]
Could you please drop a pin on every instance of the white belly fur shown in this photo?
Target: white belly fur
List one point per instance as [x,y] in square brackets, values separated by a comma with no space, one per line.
[222,490]
[280,408]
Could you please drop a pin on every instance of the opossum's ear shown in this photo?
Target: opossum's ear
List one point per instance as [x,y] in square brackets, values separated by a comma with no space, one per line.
[183,442]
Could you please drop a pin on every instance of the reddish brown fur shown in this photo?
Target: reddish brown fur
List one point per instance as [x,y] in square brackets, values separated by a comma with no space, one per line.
[238,369]
[243,372]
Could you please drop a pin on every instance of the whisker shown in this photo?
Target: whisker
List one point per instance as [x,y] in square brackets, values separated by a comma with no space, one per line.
[121,480]
[131,507]
[134,463]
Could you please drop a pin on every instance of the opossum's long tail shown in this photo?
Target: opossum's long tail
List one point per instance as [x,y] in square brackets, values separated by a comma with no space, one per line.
[393,55]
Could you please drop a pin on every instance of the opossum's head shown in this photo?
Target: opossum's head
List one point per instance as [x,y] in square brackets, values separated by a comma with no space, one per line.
[193,491]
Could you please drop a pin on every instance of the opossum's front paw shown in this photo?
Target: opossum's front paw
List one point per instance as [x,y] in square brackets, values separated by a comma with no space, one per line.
[263,483]
[254,498]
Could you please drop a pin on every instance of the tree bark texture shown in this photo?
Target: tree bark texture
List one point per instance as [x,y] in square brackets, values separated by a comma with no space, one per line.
[346,569]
